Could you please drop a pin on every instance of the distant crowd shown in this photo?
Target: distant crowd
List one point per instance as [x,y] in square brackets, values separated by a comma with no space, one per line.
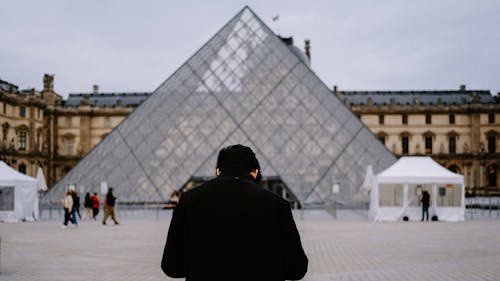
[71,205]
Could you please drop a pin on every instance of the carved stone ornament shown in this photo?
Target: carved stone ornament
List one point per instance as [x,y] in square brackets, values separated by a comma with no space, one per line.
[48,82]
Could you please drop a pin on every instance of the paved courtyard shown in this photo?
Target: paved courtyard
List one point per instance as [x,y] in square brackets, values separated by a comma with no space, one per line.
[337,250]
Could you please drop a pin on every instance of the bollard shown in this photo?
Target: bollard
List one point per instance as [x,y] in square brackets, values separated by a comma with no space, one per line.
[489,213]
[471,209]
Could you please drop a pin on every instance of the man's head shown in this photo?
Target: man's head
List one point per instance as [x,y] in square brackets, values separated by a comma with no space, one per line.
[238,159]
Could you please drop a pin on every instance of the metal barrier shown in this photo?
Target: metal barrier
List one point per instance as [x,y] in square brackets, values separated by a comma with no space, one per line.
[146,211]
[482,207]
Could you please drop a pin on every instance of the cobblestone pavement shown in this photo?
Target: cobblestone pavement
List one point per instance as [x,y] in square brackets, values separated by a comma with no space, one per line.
[337,250]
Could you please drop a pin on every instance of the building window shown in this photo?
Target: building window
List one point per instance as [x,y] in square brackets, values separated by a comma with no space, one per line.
[405,119]
[22,140]
[381,119]
[69,146]
[428,119]
[405,144]
[4,108]
[491,118]
[382,139]
[68,121]
[454,169]
[107,121]
[428,144]
[452,144]
[452,118]
[492,144]
[22,111]
[22,169]
[492,176]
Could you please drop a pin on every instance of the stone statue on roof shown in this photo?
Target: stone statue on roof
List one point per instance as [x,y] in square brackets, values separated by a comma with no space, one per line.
[48,82]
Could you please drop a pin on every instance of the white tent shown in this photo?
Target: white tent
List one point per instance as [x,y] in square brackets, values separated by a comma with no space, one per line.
[18,195]
[42,186]
[396,192]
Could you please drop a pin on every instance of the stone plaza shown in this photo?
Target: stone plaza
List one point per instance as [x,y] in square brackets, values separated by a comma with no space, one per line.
[339,249]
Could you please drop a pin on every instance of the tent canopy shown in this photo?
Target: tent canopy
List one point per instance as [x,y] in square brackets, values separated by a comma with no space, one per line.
[394,191]
[19,194]
[9,174]
[418,169]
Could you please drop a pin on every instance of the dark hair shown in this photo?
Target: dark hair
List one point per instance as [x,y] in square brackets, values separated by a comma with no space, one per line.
[237,159]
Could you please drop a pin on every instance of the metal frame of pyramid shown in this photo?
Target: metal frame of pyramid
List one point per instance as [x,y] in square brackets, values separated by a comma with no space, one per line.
[243,86]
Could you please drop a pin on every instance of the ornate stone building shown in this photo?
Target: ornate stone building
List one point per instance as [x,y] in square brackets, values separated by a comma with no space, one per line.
[459,129]
[40,128]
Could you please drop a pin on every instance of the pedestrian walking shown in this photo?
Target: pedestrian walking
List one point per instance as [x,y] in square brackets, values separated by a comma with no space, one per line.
[76,206]
[87,203]
[68,208]
[109,207]
[231,228]
[95,205]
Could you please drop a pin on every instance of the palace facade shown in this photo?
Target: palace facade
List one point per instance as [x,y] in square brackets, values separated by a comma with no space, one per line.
[458,128]
[40,128]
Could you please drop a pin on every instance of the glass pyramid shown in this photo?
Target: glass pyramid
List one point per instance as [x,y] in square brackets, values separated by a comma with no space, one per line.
[243,86]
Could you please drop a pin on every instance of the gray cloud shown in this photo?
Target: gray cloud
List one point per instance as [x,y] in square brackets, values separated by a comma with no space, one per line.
[135,45]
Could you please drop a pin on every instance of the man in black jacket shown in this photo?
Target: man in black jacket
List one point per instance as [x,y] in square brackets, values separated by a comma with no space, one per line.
[109,207]
[231,228]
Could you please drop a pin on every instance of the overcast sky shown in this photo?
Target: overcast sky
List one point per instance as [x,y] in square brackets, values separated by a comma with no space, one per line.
[133,46]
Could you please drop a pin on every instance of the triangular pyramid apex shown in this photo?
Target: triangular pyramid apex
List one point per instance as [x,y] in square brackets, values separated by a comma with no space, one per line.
[247,8]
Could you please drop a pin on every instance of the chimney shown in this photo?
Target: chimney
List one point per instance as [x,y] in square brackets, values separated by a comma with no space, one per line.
[308,50]
[96,89]
[334,89]
[462,88]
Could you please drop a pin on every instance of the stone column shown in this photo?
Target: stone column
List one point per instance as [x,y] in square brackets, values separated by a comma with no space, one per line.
[84,133]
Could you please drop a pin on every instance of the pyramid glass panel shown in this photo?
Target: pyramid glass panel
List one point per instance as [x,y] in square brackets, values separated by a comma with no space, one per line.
[245,85]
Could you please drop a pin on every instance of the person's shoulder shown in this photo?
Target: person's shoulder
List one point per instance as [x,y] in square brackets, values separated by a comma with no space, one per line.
[194,191]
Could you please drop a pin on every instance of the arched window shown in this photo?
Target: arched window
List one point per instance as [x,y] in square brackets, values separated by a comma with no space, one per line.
[405,142]
[452,142]
[428,140]
[22,136]
[68,142]
[382,136]
[22,168]
[455,169]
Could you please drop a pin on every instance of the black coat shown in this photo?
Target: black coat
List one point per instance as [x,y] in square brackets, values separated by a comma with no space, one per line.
[230,228]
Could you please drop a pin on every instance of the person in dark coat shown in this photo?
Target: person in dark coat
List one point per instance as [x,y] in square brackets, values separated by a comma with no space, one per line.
[426,198]
[231,228]
[109,207]
[87,203]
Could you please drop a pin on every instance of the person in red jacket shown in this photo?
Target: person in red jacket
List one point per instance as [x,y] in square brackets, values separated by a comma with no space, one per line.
[231,228]
[95,205]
